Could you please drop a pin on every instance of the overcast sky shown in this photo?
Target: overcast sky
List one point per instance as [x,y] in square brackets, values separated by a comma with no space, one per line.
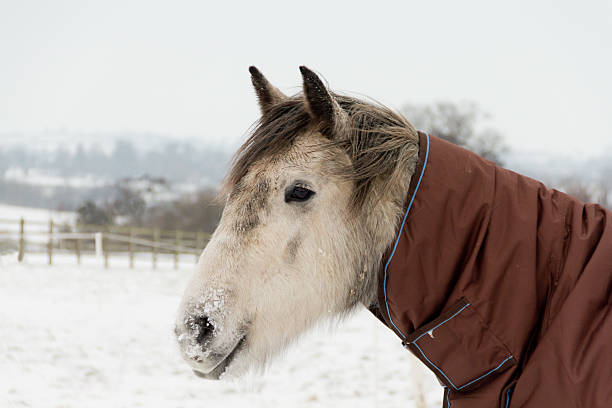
[540,68]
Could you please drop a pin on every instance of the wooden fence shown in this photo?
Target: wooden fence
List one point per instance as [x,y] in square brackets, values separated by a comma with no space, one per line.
[103,241]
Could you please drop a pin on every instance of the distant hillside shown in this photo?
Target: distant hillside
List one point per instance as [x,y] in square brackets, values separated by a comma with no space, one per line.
[57,170]
[62,169]
[553,169]
[110,158]
[52,140]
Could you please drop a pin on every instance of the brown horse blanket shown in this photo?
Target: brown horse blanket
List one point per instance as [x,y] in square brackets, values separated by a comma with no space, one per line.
[501,286]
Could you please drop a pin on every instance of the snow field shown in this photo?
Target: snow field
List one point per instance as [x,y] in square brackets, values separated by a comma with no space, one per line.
[87,336]
[37,215]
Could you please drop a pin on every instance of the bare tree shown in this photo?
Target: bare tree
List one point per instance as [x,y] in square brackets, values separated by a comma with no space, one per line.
[459,124]
[588,191]
[91,214]
[192,212]
[578,188]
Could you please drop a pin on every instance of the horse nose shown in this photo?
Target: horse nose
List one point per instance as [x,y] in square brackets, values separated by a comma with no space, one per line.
[202,328]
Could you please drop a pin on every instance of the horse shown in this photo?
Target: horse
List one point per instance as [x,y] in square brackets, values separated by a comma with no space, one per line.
[334,203]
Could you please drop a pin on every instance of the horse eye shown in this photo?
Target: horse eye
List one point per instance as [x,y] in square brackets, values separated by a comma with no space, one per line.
[298,194]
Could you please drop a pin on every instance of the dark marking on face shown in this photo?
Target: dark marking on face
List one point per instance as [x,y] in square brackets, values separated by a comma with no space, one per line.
[292,248]
[252,201]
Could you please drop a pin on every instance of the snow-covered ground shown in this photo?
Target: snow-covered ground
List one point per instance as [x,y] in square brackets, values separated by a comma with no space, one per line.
[42,177]
[89,337]
[14,213]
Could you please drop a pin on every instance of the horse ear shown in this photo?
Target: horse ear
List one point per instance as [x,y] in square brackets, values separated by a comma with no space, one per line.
[320,103]
[267,94]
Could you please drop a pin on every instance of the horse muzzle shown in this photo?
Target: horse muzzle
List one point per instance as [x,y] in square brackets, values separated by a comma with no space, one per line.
[206,346]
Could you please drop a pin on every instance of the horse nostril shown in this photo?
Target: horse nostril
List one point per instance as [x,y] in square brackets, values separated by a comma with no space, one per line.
[203,327]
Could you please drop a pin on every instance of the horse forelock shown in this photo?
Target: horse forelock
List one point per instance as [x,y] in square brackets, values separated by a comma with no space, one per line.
[377,141]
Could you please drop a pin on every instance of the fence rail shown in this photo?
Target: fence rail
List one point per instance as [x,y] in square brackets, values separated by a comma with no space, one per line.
[103,241]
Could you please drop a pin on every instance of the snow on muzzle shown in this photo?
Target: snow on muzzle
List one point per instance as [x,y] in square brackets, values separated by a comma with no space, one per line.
[208,336]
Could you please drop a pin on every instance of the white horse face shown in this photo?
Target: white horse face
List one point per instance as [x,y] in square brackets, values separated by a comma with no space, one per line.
[278,262]
[316,194]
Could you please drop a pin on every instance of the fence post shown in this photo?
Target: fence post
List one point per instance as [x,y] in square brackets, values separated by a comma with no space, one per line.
[177,242]
[106,247]
[77,248]
[98,245]
[50,247]
[155,241]
[21,240]
[131,248]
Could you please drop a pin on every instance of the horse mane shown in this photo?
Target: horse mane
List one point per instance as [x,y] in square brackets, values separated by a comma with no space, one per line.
[378,141]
